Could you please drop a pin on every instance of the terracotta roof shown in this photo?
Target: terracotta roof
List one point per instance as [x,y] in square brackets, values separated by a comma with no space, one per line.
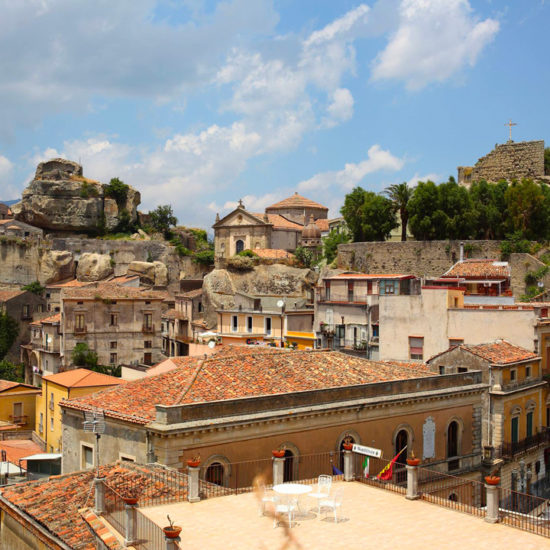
[113,292]
[55,502]
[173,314]
[296,201]
[82,378]
[9,384]
[123,279]
[73,283]
[237,372]
[280,222]
[52,319]
[371,276]
[479,268]
[499,352]
[191,294]
[273,253]
[322,224]
[6,295]
[16,449]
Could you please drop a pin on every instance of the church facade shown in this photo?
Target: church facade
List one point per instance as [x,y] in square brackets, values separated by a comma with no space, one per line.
[292,222]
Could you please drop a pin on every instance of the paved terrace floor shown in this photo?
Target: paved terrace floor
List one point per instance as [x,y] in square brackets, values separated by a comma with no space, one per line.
[374,518]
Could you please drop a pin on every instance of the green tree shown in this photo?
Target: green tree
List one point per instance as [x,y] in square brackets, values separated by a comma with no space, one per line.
[547,161]
[455,203]
[305,256]
[118,190]
[331,242]
[527,207]
[125,223]
[162,219]
[9,329]
[10,371]
[204,257]
[489,209]
[83,356]
[34,287]
[370,217]
[426,220]
[400,194]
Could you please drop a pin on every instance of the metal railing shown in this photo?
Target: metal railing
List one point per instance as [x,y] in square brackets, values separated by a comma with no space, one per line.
[526,512]
[367,472]
[114,509]
[148,328]
[21,419]
[149,536]
[510,449]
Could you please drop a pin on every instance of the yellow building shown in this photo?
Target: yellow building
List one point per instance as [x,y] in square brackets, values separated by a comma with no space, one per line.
[17,405]
[64,385]
[299,331]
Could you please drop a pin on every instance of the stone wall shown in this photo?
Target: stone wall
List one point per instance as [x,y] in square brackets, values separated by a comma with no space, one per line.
[507,161]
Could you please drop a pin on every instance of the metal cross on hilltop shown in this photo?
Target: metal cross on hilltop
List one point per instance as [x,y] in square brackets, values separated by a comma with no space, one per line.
[510,124]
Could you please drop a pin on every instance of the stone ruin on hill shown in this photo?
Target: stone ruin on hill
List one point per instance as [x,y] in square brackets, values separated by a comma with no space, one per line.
[61,199]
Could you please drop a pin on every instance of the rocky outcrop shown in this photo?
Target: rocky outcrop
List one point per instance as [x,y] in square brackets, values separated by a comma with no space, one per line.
[220,285]
[56,265]
[154,273]
[94,267]
[59,198]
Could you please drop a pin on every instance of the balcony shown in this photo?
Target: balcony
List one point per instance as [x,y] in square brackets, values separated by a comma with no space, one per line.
[80,330]
[19,420]
[333,297]
[511,449]
[149,329]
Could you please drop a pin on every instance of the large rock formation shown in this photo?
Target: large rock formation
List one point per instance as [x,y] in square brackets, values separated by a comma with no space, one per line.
[154,273]
[59,198]
[220,285]
[94,267]
[56,265]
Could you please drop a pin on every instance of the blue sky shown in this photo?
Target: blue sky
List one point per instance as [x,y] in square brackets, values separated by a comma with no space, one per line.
[199,103]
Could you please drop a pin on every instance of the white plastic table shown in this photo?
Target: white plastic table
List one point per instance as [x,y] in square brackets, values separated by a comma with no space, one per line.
[292,489]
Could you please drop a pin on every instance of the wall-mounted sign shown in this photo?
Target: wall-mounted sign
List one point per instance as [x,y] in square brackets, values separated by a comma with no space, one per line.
[369,451]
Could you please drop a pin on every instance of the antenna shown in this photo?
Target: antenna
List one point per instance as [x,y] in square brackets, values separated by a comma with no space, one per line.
[95,423]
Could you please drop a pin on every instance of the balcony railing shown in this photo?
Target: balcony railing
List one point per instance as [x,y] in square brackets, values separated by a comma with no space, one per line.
[19,420]
[148,328]
[80,330]
[511,449]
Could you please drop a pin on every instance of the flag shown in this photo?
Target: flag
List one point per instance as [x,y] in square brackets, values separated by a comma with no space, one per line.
[366,467]
[387,471]
[336,471]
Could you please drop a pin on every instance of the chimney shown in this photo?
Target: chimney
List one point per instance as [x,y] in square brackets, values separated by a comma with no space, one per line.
[461,251]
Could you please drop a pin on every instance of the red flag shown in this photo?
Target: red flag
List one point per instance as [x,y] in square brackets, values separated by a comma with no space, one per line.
[387,471]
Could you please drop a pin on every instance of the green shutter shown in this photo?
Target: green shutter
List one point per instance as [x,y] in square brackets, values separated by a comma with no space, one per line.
[515,429]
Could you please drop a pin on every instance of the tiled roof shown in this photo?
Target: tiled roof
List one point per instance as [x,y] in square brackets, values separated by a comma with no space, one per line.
[6,295]
[52,319]
[16,449]
[322,224]
[73,283]
[296,201]
[55,502]
[370,276]
[112,291]
[237,372]
[479,268]
[273,253]
[500,352]
[191,294]
[8,385]
[280,222]
[82,378]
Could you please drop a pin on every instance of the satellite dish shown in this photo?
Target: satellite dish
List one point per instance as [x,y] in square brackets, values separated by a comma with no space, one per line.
[280,303]
[212,344]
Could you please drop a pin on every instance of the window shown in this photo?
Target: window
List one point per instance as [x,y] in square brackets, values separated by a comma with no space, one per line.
[529,431]
[452,445]
[26,311]
[268,326]
[544,312]
[51,424]
[455,342]
[387,287]
[527,372]
[199,307]
[147,358]
[51,402]
[41,423]
[327,290]
[515,429]
[113,358]
[214,473]
[369,287]
[249,324]
[40,308]
[416,347]
[234,323]
[512,375]
[112,345]
[79,323]
[114,320]
[147,303]
[126,458]
[375,331]
[441,369]
[239,246]
[148,320]
[148,344]
[87,457]
[462,369]
[350,291]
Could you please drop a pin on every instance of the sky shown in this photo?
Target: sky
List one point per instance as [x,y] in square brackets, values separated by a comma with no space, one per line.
[199,103]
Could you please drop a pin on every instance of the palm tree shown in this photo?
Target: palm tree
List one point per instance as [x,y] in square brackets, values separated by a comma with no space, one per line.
[400,194]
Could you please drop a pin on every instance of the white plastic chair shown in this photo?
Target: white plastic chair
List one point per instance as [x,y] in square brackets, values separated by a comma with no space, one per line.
[288,507]
[266,498]
[333,503]
[324,483]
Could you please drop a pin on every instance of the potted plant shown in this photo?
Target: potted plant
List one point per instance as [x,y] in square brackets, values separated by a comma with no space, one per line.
[279,453]
[194,462]
[492,478]
[171,531]
[413,461]
[347,443]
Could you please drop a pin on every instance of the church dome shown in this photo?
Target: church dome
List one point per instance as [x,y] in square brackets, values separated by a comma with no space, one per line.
[311,231]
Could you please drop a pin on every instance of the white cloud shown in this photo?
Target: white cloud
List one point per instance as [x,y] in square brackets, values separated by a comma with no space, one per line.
[6,167]
[341,108]
[432,176]
[434,40]
[351,175]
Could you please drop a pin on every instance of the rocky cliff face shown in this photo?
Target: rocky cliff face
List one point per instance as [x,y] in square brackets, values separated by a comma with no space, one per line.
[220,285]
[59,198]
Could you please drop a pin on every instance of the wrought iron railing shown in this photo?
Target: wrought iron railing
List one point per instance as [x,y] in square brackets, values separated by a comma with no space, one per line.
[511,449]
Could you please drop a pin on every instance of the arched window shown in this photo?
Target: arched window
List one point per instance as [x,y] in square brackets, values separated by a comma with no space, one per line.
[239,246]
[288,471]
[452,445]
[215,473]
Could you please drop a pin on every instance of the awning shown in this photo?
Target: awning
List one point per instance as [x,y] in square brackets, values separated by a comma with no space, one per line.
[7,468]
[43,456]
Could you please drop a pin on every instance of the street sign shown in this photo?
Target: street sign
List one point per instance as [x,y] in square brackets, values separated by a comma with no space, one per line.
[369,451]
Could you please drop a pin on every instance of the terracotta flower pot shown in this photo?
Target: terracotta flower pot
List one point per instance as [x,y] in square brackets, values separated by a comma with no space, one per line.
[172,532]
[130,500]
[193,463]
[278,454]
[348,446]
[413,461]
[492,480]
